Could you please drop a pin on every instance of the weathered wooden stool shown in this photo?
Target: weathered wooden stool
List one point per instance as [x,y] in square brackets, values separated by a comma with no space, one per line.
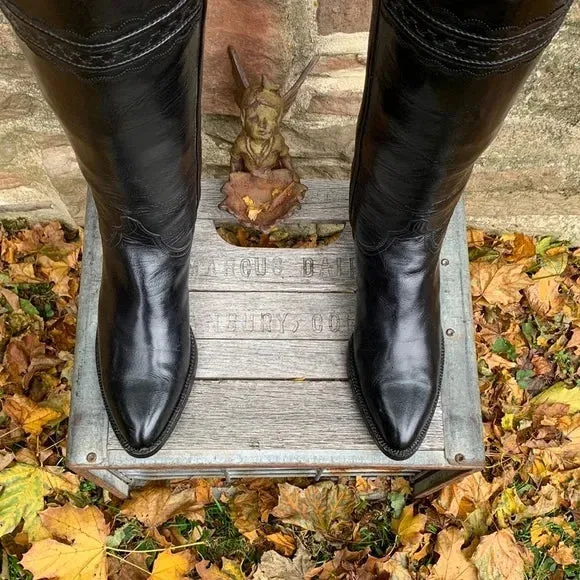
[271,396]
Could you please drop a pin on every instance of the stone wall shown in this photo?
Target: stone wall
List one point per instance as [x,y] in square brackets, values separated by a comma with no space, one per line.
[528,179]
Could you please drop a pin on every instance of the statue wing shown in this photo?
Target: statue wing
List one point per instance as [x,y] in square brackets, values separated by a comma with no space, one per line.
[292,92]
[240,79]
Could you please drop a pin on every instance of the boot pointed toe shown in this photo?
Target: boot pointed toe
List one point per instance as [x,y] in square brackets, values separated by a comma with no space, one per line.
[401,414]
[141,421]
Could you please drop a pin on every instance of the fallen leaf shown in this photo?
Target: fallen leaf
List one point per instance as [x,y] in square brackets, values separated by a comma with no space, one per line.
[475,238]
[499,557]
[559,393]
[82,557]
[344,564]
[524,248]
[452,563]
[29,415]
[131,567]
[245,510]
[23,489]
[230,570]
[155,504]
[562,554]
[544,296]
[6,458]
[574,342]
[506,506]
[498,283]
[324,507]
[22,273]
[11,298]
[273,566]
[409,528]
[395,566]
[283,543]
[171,565]
[461,498]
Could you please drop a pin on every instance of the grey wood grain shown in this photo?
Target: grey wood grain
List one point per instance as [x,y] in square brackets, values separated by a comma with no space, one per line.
[271,359]
[217,265]
[275,415]
[272,315]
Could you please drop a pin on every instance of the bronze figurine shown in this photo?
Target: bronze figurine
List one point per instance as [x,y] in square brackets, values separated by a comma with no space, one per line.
[263,187]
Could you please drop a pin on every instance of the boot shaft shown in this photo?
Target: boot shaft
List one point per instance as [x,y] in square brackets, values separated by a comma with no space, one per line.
[124,80]
[442,75]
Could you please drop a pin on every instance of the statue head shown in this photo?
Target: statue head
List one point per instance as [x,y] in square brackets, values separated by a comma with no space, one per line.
[262,108]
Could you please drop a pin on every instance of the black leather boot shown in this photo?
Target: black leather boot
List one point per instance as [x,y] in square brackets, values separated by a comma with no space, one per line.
[123,77]
[442,75]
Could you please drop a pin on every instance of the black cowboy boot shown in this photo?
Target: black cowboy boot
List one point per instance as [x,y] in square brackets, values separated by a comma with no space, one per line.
[442,75]
[123,77]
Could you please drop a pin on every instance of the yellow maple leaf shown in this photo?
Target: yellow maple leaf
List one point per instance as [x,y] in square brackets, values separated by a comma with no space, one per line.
[29,415]
[500,557]
[559,393]
[171,566]
[23,489]
[82,557]
[452,563]
[506,506]
[409,527]
[323,507]
[496,283]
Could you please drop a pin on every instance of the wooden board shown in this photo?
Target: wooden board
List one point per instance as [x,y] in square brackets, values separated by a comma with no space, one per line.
[271,396]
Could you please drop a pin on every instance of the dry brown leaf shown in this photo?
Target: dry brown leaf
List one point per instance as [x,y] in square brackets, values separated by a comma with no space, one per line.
[82,557]
[524,248]
[272,566]
[29,415]
[56,272]
[574,342]
[452,563]
[131,567]
[498,283]
[499,557]
[171,565]
[544,296]
[11,298]
[461,498]
[285,544]
[562,554]
[475,238]
[22,273]
[230,570]
[252,505]
[155,504]
[6,458]
[344,564]
[245,510]
[324,507]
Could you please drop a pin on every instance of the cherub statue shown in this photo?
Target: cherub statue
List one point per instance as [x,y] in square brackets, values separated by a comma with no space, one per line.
[263,187]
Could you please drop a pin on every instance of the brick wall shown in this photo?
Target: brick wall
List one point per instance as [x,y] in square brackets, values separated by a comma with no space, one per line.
[278,38]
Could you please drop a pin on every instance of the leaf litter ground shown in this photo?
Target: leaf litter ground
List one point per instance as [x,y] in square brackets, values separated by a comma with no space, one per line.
[518,519]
